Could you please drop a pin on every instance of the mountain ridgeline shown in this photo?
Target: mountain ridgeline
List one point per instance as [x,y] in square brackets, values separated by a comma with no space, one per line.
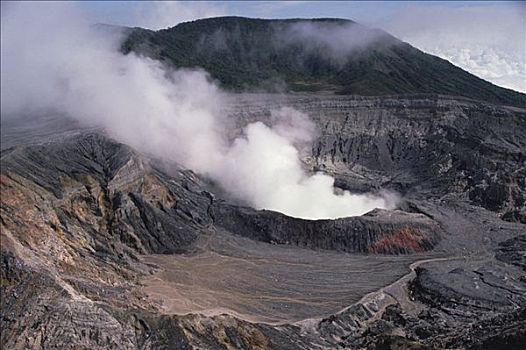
[335,55]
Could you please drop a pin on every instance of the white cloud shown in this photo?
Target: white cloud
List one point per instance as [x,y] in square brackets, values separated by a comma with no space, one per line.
[487,41]
[165,14]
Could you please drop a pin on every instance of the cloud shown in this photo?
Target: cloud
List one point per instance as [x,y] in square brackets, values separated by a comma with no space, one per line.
[53,61]
[486,40]
[273,9]
[165,14]
[334,40]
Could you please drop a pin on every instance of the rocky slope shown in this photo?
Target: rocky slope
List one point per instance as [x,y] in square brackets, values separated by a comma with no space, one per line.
[81,211]
[420,145]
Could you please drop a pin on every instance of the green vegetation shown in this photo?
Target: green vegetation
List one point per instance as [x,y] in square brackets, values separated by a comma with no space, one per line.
[254,54]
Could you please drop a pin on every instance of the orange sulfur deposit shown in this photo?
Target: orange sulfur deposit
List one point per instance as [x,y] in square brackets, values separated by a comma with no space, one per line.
[405,240]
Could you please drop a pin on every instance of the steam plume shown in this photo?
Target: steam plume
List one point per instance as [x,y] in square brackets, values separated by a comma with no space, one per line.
[337,41]
[53,60]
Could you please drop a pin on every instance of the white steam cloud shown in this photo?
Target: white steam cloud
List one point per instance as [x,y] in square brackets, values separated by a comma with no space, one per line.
[53,60]
[335,40]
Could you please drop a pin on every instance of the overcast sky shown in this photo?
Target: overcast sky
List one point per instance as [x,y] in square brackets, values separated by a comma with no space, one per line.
[486,38]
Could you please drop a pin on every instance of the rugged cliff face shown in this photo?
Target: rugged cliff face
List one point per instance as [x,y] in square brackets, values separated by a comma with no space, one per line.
[376,232]
[420,145]
[81,213]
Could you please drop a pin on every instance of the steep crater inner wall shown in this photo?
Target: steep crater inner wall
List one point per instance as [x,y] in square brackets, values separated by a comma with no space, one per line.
[422,145]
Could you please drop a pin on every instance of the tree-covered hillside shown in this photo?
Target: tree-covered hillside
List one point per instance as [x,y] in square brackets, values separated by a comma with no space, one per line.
[310,55]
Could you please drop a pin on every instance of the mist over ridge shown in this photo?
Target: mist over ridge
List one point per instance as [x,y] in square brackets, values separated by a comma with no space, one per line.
[173,114]
[324,54]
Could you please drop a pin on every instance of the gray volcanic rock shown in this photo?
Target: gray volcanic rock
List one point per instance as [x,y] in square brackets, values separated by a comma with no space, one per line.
[79,211]
[375,232]
[416,144]
[513,251]
[102,186]
[490,296]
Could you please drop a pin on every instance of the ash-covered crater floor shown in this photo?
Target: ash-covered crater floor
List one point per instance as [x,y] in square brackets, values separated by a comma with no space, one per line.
[262,282]
[104,247]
